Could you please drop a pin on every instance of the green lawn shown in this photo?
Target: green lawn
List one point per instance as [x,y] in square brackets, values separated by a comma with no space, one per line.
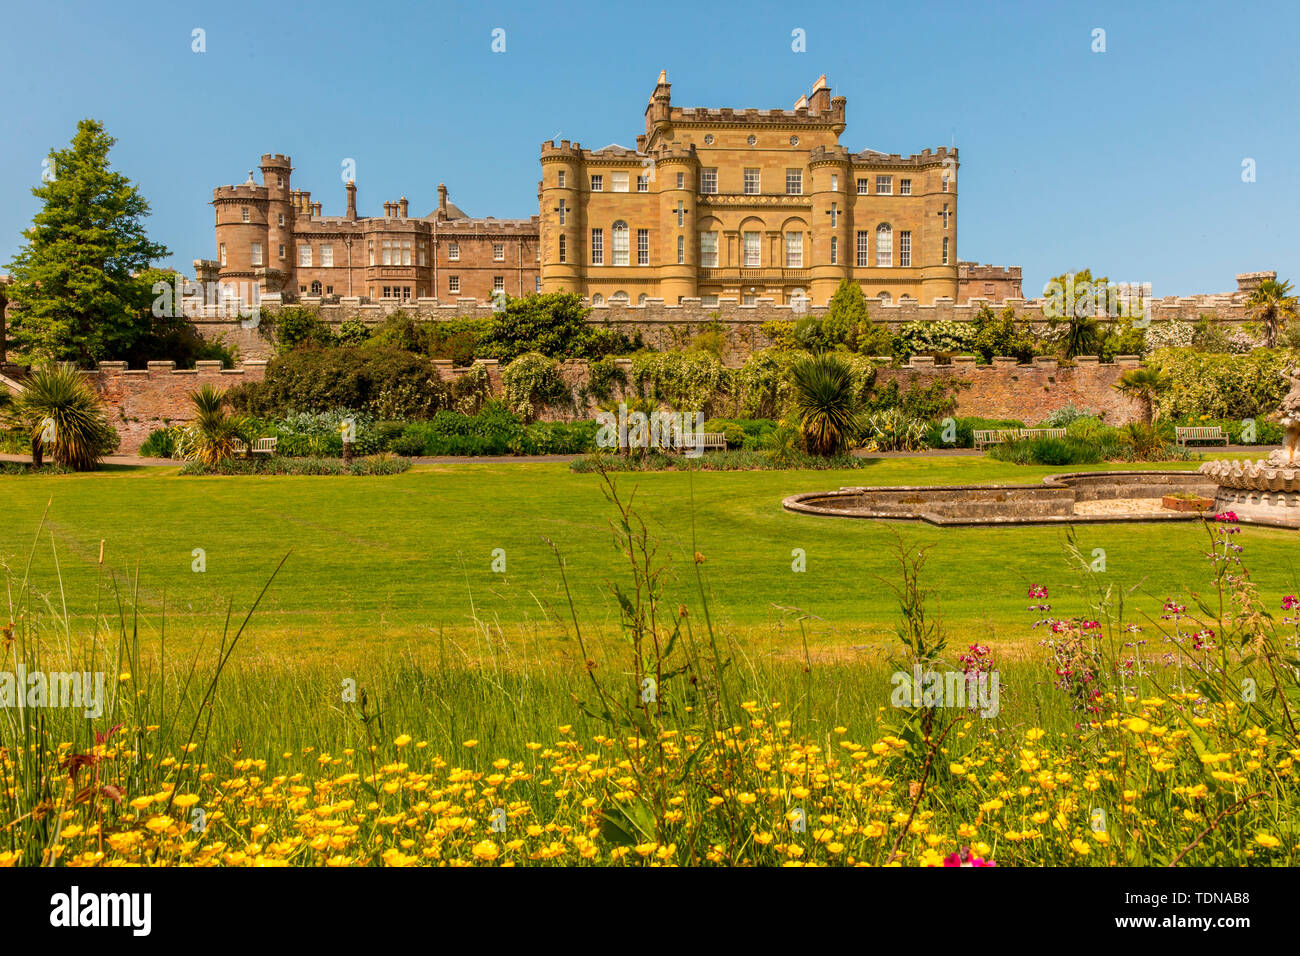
[379,563]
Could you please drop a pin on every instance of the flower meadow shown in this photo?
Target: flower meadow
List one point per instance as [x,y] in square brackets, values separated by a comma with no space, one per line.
[1132,731]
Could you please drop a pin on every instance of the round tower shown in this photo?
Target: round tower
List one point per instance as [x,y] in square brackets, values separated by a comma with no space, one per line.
[677,170]
[830,170]
[937,277]
[276,173]
[560,198]
[242,236]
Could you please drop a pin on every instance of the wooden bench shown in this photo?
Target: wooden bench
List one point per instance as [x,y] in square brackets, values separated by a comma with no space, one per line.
[993,436]
[707,441]
[1212,433]
[261,446]
[1029,433]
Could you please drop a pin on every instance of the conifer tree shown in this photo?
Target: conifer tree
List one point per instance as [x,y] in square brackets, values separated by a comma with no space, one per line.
[73,297]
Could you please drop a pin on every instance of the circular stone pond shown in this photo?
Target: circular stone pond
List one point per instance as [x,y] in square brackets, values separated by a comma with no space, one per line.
[1072,498]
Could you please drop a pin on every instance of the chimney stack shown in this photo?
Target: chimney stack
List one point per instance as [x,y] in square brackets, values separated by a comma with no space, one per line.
[442,201]
[820,100]
[352,200]
[402,207]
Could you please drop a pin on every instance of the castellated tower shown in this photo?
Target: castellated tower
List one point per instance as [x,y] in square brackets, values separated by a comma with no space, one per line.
[939,275]
[677,171]
[747,205]
[562,222]
[830,169]
[242,213]
[276,173]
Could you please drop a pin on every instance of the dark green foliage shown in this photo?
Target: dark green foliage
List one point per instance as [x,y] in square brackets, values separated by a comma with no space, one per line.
[1001,335]
[1047,451]
[964,431]
[495,431]
[369,466]
[295,326]
[554,324]
[73,296]
[161,443]
[825,404]
[383,382]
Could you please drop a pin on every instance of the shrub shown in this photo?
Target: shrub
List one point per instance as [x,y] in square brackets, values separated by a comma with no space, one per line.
[295,326]
[1223,386]
[531,382]
[963,431]
[382,382]
[370,465]
[554,324]
[892,430]
[930,338]
[62,413]
[602,375]
[212,436]
[996,335]
[1047,451]
[825,404]
[1067,413]
[352,332]
[690,381]
[732,431]
[161,443]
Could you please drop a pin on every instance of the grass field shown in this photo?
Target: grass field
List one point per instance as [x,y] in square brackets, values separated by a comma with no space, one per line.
[406,561]
[394,701]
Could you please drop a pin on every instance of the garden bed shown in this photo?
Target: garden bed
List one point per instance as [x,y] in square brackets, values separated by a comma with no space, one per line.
[372,465]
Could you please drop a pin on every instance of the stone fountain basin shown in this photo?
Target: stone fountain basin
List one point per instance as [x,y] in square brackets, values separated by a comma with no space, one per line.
[1071,498]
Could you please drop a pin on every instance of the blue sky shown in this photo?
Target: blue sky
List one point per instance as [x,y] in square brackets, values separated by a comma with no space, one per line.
[1128,162]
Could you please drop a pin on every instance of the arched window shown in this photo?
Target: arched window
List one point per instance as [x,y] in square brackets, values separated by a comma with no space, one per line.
[883,297]
[884,246]
[597,299]
[619,298]
[315,288]
[620,243]
[640,300]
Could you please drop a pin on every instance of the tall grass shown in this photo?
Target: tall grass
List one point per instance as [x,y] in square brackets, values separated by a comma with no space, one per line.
[666,741]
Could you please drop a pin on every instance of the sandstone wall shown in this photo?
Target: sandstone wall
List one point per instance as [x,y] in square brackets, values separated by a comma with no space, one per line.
[670,326]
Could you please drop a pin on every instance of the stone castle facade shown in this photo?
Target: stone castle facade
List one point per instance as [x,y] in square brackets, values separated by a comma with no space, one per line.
[746,204]
[712,204]
[272,238]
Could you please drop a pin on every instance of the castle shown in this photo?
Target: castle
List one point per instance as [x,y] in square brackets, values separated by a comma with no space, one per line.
[713,204]
[274,239]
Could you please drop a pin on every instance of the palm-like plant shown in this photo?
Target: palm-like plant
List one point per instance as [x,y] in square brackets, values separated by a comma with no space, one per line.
[64,415]
[825,403]
[1146,385]
[213,435]
[1273,304]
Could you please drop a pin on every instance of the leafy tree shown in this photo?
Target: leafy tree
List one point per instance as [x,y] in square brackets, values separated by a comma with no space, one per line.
[74,296]
[1274,305]
[297,325]
[165,332]
[847,311]
[554,324]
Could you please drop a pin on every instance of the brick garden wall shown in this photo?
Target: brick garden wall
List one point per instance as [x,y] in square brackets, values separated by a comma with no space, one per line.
[141,401]
[1029,393]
